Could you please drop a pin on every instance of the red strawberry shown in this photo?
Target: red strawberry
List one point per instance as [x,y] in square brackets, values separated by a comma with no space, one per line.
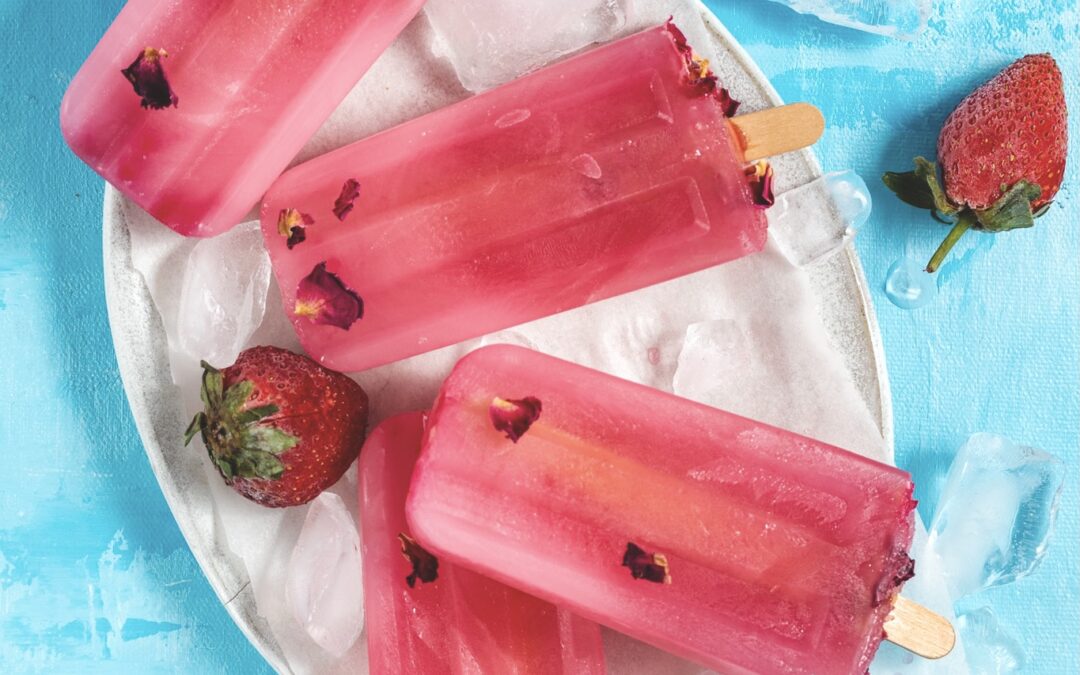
[279,427]
[1002,152]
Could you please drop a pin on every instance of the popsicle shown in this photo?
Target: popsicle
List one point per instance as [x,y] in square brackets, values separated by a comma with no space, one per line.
[610,171]
[430,616]
[193,108]
[741,546]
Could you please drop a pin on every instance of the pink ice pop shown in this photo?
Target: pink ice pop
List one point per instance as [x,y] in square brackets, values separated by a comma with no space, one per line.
[435,617]
[735,544]
[193,108]
[599,175]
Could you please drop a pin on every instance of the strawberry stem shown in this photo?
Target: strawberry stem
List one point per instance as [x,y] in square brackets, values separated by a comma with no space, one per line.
[967,219]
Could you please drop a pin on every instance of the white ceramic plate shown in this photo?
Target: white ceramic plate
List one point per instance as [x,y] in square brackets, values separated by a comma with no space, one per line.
[143,356]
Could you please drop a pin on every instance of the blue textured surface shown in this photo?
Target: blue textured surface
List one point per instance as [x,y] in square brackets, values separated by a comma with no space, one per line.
[94,574]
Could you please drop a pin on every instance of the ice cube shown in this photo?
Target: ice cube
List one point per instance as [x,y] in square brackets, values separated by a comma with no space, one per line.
[764,368]
[489,43]
[223,295]
[996,513]
[323,583]
[819,218]
[902,19]
[991,649]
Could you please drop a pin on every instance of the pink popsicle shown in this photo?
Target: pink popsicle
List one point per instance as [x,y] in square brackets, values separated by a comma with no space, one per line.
[599,175]
[248,82]
[729,542]
[460,622]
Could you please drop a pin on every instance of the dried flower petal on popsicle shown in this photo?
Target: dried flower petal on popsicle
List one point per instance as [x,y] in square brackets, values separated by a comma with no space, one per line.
[425,566]
[514,416]
[292,224]
[649,566]
[345,202]
[698,73]
[147,76]
[760,175]
[322,298]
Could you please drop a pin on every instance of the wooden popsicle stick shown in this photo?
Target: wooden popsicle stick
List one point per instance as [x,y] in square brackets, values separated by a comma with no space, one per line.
[918,630]
[775,131]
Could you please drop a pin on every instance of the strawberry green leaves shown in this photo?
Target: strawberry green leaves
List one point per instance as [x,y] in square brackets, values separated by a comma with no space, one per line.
[920,188]
[1012,211]
[239,442]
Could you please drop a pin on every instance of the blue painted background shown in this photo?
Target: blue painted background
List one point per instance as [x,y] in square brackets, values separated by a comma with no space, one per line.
[95,576]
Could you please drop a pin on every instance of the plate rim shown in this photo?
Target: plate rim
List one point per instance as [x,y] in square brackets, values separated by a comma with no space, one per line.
[125,287]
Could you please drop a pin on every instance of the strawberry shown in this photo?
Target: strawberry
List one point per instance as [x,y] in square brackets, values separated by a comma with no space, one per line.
[279,427]
[1002,152]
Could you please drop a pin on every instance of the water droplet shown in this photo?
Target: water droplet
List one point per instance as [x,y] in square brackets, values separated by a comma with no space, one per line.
[509,119]
[909,285]
[586,165]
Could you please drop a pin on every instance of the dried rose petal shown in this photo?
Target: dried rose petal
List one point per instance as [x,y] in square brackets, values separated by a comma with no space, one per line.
[343,205]
[147,75]
[761,183]
[648,566]
[322,298]
[514,416]
[888,587]
[290,224]
[728,104]
[425,566]
[697,71]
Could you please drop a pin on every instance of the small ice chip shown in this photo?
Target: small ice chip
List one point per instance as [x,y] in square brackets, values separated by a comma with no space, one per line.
[323,583]
[223,296]
[996,513]
[991,650]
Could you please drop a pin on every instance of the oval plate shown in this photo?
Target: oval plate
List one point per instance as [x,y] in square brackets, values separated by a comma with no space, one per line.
[142,350]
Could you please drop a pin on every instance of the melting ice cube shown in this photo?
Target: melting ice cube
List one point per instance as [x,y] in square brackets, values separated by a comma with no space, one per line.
[819,218]
[991,650]
[223,296]
[902,19]
[908,285]
[323,584]
[996,513]
[490,43]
